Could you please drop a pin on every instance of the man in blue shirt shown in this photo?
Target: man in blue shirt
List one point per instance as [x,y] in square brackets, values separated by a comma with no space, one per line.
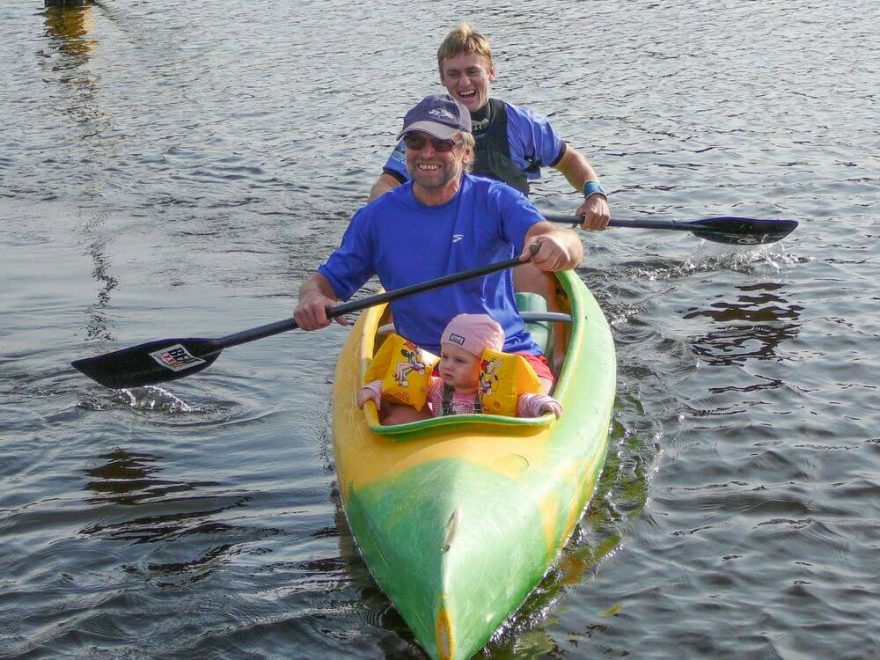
[442,221]
[512,143]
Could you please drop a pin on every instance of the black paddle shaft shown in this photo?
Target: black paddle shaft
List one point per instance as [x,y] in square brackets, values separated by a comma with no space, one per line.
[357,305]
[727,229]
[165,360]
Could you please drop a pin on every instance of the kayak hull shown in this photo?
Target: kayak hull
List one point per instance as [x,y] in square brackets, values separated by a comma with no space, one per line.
[458,518]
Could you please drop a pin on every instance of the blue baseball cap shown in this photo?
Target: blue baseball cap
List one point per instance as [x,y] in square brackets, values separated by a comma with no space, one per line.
[439,115]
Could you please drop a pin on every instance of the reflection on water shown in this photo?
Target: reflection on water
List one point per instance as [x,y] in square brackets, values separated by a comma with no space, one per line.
[129,478]
[753,327]
[70,45]
[97,327]
[68,28]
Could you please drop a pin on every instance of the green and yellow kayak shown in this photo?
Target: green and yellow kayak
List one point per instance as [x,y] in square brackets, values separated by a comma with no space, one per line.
[458,518]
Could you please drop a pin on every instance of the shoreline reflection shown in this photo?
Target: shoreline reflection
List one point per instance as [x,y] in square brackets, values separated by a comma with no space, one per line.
[68,31]
[753,327]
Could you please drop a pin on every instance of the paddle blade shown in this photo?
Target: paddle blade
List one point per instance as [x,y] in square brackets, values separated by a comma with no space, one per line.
[151,363]
[742,231]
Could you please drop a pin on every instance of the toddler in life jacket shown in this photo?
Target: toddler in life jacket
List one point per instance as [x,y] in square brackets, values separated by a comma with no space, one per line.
[465,376]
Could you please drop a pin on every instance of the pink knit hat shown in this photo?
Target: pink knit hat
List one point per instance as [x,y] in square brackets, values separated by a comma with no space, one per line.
[474,332]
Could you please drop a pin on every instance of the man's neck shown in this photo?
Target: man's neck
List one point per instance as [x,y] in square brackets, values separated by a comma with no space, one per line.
[480,118]
[437,197]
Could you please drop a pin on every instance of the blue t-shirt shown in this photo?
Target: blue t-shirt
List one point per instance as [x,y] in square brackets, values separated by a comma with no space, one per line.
[534,143]
[405,242]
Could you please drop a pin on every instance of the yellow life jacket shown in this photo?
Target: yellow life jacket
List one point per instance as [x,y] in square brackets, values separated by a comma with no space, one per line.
[503,377]
[404,369]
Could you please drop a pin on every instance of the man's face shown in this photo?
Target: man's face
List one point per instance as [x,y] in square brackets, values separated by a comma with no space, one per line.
[433,163]
[467,79]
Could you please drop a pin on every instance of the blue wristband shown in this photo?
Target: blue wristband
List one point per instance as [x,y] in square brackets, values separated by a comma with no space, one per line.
[594,188]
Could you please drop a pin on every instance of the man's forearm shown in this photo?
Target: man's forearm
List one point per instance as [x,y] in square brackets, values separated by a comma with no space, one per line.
[316,284]
[576,169]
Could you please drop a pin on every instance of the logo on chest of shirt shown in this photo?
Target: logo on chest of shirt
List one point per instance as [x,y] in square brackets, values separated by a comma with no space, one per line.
[456,238]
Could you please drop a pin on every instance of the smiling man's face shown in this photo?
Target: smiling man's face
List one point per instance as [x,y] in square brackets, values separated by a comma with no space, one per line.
[467,78]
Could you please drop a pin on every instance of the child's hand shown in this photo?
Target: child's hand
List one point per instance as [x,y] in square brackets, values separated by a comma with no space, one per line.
[552,406]
[369,392]
[535,405]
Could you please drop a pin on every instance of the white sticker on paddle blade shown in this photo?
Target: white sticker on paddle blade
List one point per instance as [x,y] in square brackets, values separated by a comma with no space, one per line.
[176,358]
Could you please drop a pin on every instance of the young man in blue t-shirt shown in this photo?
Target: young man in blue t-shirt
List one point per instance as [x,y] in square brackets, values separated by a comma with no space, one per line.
[512,143]
[442,221]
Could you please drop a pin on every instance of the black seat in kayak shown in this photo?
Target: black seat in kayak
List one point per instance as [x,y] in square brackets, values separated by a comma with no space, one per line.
[539,322]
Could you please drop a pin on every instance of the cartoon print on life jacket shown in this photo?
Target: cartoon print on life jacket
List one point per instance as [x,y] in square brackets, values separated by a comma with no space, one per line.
[488,375]
[413,363]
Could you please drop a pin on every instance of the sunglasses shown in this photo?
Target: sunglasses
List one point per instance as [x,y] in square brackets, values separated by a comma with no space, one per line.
[417,142]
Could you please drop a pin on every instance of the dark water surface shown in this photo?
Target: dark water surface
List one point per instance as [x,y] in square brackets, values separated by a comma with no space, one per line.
[178,168]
